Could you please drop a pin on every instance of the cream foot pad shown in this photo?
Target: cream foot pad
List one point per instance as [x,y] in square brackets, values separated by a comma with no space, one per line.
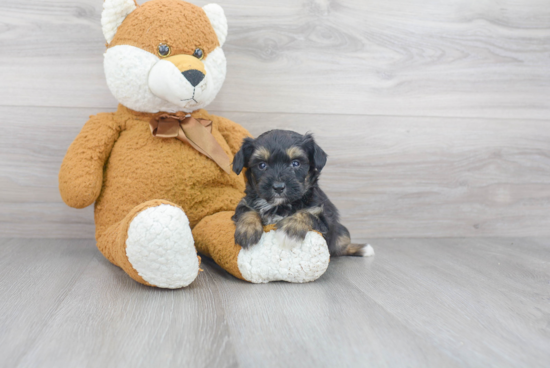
[269,260]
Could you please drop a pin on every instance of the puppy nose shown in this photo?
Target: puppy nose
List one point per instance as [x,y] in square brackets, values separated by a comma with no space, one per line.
[279,187]
[194,76]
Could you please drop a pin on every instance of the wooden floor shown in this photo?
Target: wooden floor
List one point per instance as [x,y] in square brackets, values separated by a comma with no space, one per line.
[416,303]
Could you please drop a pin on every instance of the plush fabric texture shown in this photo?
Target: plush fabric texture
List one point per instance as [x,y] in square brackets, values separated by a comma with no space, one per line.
[114,13]
[129,72]
[164,81]
[143,80]
[215,238]
[142,167]
[112,243]
[271,260]
[160,247]
[215,13]
[81,174]
[184,27]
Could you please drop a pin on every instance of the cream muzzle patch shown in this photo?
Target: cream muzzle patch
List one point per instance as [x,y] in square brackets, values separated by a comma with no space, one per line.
[179,79]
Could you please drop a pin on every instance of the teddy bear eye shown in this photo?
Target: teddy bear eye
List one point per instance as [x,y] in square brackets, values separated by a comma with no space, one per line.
[198,54]
[164,50]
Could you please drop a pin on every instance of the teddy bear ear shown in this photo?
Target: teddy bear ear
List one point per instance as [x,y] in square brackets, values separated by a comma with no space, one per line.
[114,13]
[215,13]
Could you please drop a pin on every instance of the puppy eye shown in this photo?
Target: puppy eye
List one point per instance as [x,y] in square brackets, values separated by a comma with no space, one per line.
[262,166]
[295,163]
[164,50]
[198,54]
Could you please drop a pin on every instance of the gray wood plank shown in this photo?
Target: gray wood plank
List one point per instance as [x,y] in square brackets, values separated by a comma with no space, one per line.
[389,176]
[483,301]
[46,220]
[109,320]
[417,302]
[35,278]
[328,323]
[465,58]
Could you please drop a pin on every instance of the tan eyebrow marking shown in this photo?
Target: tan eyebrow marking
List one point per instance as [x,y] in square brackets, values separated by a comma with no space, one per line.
[261,153]
[295,151]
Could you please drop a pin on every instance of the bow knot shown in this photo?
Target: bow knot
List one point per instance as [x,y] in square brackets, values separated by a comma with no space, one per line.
[195,132]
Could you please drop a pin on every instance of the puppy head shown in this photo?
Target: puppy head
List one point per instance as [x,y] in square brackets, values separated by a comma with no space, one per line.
[282,165]
[164,55]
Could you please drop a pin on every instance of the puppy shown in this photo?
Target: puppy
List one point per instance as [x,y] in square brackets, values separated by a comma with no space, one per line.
[283,168]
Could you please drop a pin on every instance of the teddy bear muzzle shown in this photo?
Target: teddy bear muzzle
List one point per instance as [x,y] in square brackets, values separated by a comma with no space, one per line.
[175,78]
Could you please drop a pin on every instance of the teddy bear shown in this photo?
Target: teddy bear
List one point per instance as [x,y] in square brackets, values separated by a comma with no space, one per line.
[159,168]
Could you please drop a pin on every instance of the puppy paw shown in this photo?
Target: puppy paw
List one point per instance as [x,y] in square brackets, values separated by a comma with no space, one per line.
[247,237]
[249,230]
[292,230]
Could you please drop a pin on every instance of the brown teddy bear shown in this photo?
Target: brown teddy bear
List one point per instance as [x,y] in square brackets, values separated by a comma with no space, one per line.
[158,169]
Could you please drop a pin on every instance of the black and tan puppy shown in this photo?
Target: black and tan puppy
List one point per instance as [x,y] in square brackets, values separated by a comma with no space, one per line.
[283,168]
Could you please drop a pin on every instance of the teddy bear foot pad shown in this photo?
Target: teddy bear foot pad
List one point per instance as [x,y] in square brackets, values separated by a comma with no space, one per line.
[161,248]
[271,260]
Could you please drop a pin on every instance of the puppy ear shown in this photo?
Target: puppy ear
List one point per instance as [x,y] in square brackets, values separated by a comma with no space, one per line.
[215,13]
[114,13]
[317,156]
[240,161]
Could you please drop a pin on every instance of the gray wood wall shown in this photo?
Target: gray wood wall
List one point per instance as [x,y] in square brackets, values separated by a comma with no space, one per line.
[435,114]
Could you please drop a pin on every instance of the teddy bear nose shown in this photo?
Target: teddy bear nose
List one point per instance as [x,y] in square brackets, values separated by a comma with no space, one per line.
[194,76]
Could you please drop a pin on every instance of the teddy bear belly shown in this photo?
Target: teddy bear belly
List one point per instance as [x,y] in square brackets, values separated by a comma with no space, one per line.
[161,169]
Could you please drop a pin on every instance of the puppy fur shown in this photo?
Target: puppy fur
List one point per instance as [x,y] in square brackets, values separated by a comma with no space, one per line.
[282,173]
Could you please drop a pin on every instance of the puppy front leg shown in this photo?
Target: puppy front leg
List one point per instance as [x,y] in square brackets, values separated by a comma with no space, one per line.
[249,229]
[296,227]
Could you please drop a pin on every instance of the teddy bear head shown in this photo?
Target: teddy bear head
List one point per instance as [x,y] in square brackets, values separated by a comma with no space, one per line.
[164,55]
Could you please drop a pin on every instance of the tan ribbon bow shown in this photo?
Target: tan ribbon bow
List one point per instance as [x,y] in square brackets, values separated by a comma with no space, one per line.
[195,132]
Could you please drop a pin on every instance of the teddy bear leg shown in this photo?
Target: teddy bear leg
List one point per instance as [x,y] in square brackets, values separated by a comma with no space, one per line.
[154,245]
[269,260]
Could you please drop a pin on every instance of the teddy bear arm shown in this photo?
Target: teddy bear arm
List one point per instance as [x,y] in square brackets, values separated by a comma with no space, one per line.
[81,173]
[233,133]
